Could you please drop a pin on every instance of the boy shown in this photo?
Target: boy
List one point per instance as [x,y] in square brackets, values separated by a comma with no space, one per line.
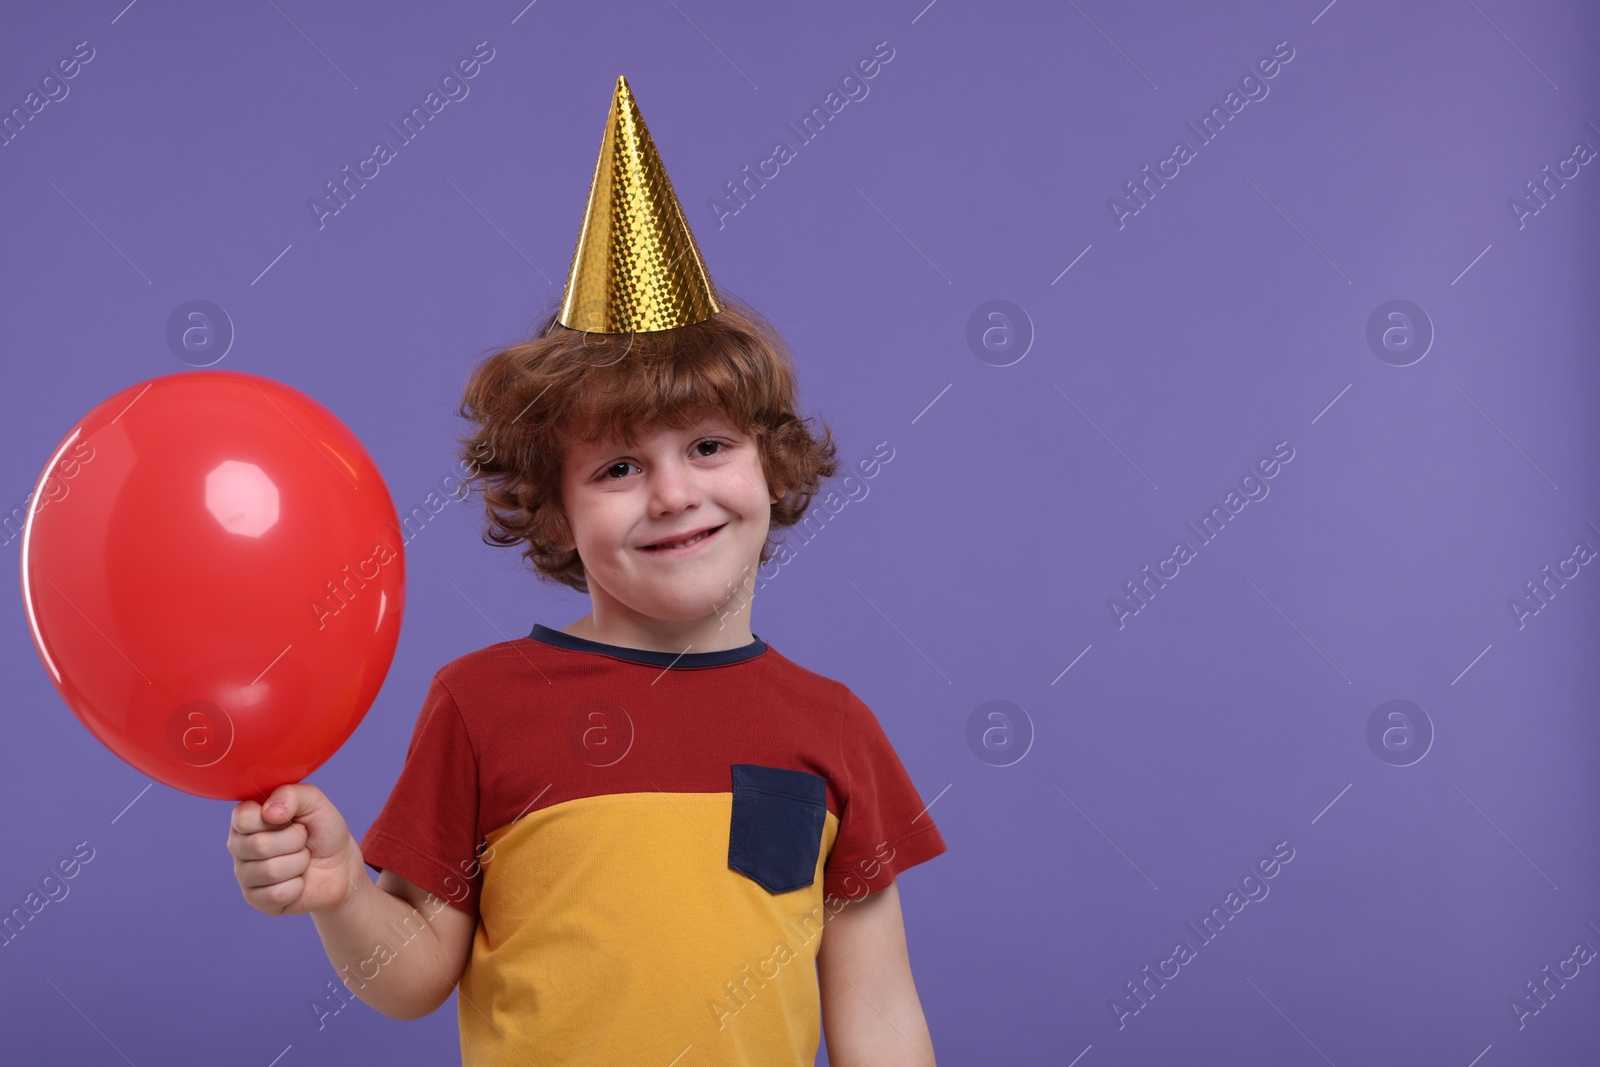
[622,841]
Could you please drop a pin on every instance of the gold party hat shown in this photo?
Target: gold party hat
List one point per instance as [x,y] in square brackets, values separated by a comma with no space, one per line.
[636,268]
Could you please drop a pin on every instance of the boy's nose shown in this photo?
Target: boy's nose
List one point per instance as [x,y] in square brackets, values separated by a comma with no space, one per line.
[672,488]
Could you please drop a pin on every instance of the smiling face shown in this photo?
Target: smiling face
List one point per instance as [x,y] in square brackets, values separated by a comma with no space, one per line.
[621,501]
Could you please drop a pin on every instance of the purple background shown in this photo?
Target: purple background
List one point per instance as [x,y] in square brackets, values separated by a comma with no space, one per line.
[1228,315]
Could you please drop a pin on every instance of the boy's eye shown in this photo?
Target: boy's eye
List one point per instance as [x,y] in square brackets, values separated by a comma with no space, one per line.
[623,465]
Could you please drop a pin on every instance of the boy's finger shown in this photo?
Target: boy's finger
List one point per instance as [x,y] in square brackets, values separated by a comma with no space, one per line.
[276,895]
[268,843]
[326,832]
[247,818]
[253,874]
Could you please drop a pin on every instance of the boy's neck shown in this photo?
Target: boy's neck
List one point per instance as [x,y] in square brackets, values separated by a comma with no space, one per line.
[712,634]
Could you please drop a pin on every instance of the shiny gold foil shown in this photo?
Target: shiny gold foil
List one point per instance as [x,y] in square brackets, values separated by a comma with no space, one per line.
[636,268]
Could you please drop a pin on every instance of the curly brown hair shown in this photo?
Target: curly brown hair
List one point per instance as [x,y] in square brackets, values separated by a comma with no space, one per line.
[562,386]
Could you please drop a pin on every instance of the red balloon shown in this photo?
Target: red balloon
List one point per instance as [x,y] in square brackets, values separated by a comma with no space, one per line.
[214,577]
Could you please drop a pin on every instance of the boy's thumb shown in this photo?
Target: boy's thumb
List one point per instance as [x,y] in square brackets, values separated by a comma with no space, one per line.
[281,804]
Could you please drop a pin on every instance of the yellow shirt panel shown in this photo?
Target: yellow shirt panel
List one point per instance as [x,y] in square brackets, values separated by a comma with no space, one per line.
[612,931]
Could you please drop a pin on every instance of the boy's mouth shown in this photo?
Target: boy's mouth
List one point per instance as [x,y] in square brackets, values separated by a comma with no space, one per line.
[690,541]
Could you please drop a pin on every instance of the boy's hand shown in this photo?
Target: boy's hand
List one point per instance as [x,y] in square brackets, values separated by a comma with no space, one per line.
[294,854]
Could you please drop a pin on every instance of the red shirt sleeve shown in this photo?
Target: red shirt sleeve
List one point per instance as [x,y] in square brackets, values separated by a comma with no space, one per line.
[884,827]
[427,831]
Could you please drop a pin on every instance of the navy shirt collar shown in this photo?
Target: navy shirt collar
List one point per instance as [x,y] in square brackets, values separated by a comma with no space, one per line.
[558,639]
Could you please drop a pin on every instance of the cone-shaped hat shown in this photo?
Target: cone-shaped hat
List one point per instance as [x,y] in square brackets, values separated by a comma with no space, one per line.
[636,268]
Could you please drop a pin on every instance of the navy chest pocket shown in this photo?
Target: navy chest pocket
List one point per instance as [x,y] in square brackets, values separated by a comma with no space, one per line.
[775,835]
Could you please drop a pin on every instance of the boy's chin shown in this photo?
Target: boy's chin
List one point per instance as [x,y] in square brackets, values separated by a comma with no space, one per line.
[715,603]
[679,614]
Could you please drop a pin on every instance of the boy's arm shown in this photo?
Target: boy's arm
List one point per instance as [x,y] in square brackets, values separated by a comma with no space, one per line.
[394,944]
[871,1015]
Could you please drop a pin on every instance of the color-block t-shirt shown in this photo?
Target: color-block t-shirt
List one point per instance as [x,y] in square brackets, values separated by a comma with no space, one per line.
[646,839]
